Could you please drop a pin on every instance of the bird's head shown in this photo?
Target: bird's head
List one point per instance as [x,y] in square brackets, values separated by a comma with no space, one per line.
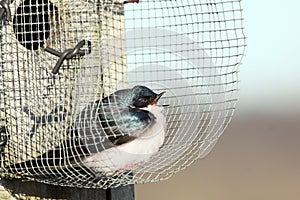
[142,96]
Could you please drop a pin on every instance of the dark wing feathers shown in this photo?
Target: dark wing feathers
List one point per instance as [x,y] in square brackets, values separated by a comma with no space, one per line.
[69,151]
[122,125]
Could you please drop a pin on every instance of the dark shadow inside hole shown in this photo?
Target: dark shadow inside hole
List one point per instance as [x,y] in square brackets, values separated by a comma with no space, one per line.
[32,22]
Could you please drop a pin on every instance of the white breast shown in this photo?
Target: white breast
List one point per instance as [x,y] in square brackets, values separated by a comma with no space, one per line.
[134,152]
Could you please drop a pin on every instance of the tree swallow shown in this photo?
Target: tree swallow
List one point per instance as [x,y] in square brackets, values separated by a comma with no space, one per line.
[111,135]
[130,125]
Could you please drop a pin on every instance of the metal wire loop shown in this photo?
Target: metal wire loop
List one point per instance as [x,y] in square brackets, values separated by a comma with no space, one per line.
[69,53]
[131,1]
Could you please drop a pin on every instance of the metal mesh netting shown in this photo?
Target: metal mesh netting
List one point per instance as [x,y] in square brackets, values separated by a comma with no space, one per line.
[61,59]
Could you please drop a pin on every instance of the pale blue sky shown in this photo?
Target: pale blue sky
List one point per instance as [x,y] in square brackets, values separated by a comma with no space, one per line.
[270,74]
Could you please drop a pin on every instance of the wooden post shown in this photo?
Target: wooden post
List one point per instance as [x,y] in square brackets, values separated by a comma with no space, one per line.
[113,25]
[31,190]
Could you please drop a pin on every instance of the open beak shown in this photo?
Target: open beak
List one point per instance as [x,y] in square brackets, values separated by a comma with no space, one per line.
[157,98]
[131,1]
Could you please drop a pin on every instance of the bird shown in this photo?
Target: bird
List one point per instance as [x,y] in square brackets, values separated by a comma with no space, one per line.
[132,124]
[110,136]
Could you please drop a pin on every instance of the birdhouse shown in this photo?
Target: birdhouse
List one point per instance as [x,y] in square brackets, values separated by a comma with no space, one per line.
[106,93]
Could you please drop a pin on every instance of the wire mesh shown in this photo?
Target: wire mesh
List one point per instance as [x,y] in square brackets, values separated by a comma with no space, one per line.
[51,122]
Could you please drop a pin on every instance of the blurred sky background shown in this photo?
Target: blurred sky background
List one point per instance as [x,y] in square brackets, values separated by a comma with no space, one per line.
[270,74]
[258,155]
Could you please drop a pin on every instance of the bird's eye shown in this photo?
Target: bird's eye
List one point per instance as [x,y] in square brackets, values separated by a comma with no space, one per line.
[143,100]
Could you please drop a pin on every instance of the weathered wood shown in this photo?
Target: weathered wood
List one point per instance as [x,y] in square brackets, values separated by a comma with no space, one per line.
[4,194]
[35,190]
[85,79]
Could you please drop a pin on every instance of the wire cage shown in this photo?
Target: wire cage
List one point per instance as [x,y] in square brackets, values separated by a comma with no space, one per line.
[61,59]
